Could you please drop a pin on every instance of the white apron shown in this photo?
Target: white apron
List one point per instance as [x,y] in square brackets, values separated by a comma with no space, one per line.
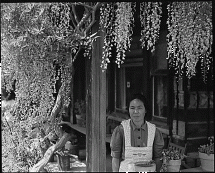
[136,154]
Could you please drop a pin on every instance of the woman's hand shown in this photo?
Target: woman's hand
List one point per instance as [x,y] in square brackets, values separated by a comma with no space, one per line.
[115,164]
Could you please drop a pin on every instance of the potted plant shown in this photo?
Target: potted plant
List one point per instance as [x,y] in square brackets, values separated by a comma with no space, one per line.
[206,155]
[80,112]
[171,160]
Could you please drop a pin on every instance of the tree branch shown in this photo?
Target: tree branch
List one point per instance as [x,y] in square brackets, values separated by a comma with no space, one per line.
[91,23]
[86,16]
[79,49]
[93,17]
[40,165]
[57,106]
[85,5]
[73,22]
[75,15]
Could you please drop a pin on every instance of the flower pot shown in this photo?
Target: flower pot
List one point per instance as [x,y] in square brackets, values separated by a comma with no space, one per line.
[173,165]
[207,161]
[63,162]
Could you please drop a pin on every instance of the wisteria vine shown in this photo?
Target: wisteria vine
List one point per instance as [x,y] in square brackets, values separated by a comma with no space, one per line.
[190,37]
[150,18]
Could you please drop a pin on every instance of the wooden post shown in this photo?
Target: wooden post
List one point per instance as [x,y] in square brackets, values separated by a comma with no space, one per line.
[96,109]
[170,102]
[72,96]
[186,103]
[147,81]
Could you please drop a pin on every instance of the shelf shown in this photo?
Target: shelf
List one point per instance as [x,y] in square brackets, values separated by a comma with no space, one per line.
[78,128]
[83,130]
[110,117]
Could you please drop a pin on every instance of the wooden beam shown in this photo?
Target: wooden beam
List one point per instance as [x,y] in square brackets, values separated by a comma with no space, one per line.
[96,109]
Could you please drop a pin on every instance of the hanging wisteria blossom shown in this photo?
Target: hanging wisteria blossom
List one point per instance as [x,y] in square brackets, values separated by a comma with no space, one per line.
[123,29]
[117,20]
[190,37]
[150,18]
[107,26]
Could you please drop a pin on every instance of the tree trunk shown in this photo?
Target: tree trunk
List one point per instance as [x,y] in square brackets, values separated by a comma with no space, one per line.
[59,104]
[57,107]
[40,165]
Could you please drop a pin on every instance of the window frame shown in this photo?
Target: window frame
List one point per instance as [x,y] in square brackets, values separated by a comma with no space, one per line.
[158,72]
[131,62]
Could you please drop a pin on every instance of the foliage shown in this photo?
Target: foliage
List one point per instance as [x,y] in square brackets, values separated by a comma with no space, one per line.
[190,36]
[19,151]
[123,29]
[117,20]
[25,58]
[207,148]
[38,48]
[107,16]
[150,14]
[171,154]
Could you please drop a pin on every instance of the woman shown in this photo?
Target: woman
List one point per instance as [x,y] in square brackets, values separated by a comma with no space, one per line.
[136,139]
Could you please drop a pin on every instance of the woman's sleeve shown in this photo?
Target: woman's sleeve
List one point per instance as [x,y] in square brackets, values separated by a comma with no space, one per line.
[116,143]
[158,144]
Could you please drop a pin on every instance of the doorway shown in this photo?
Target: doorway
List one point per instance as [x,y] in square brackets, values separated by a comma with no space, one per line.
[134,81]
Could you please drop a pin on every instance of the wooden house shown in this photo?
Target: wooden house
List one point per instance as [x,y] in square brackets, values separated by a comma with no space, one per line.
[182,111]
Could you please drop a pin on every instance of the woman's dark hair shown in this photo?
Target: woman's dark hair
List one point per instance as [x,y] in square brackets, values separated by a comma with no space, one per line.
[141,98]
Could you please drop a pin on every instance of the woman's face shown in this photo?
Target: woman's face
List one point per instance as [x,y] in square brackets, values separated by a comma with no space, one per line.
[137,110]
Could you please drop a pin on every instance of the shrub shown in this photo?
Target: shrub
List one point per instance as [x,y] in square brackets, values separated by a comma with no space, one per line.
[19,151]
